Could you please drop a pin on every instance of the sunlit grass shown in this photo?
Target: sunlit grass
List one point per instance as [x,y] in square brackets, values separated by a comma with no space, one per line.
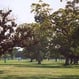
[24,69]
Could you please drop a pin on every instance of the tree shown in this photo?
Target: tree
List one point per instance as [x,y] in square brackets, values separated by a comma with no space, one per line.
[7,25]
[24,37]
[43,32]
[65,23]
[23,33]
[74,1]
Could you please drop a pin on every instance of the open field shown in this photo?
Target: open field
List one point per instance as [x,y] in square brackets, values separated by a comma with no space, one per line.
[24,69]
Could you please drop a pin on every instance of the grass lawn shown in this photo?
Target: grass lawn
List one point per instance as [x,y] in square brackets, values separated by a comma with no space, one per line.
[24,69]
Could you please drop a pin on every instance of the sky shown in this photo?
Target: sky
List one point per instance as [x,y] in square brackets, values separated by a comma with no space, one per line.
[21,9]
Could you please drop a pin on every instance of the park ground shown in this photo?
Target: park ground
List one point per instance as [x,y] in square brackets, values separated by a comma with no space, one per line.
[24,69]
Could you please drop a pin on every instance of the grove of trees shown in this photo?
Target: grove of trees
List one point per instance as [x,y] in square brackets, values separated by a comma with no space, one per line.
[53,35]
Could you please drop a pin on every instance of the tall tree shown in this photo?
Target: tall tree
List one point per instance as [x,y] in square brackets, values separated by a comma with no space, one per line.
[65,23]
[7,25]
[42,17]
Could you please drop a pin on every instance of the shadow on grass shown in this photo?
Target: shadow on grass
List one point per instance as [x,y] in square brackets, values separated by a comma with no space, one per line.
[33,65]
[1,71]
[47,66]
[70,77]
[42,77]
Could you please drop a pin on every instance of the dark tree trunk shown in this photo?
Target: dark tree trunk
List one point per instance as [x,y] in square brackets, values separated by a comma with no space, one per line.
[75,60]
[75,57]
[31,60]
[67,61]
[56,59]
[71,60]
[5,59]
[39,57]
[39,62]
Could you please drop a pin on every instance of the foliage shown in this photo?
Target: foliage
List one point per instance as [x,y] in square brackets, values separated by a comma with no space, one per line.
[66,21]
[53,35]
[7,25]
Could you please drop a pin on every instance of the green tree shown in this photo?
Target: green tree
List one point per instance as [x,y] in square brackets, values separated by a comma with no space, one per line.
[43,32]
[65,23]
[23,35]
[7,25]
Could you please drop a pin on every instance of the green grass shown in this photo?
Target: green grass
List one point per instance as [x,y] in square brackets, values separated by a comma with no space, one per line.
[24,69]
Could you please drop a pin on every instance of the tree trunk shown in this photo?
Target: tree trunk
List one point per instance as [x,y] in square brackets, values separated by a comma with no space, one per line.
[67,61]
[31,60]
[75,57]
[75,60]
[56,59]
[4,58]
[71,60]
[39,57]
[39,62]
